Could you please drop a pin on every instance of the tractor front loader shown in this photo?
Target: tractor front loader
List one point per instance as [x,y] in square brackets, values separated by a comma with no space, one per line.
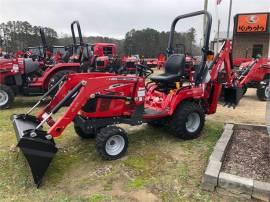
[99,101]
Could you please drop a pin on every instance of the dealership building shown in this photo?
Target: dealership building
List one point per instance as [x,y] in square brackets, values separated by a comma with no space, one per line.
[251,35]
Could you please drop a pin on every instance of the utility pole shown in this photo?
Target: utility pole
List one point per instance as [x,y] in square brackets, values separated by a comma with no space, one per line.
[229,19]
[204,17]
[218,35]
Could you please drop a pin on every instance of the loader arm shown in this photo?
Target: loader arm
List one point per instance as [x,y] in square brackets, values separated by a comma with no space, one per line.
[81,87]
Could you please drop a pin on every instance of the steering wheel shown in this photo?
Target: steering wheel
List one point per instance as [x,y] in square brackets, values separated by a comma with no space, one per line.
[144,70]
[36,57]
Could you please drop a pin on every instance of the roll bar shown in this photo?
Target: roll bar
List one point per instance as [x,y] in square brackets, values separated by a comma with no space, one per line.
[43,38]
[79,32]
[44,42]
[180,46]
[207,31]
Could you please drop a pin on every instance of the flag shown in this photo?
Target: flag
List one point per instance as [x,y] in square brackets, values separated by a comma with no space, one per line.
[218,2]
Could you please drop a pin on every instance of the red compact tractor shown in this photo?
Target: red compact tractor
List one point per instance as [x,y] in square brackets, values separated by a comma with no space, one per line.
[104,55]
[129,64]
[161,60]
[32,75]
[256,74]
[102,100]
[36,74]
[151,62]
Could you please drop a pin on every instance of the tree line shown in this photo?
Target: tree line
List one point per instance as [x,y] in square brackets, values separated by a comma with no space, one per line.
[17,35]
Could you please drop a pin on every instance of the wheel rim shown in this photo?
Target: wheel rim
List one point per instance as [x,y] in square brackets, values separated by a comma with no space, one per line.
[193,122]
[3,97]
[115,145]
[51,83]
[267,91]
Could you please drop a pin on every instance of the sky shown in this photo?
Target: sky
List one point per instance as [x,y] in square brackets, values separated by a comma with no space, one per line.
[113,18]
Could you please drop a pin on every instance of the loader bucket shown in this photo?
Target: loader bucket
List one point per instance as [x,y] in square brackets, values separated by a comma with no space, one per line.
[232,95]
[37,147]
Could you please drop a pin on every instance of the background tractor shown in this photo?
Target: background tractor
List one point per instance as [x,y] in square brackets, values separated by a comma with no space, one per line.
[256,74]
[35,74]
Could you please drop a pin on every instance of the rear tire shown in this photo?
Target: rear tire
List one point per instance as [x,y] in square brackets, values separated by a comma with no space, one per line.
[82,134]
[6,96]
[263,90]
[187,121]
[55,78]
[111,142]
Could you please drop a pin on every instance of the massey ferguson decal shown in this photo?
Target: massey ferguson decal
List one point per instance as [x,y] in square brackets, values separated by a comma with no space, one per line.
[252,23]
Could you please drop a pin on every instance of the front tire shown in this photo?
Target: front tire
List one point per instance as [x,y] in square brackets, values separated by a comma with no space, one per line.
[82,133]
[6,96]
[263,90]
[111,142]
[187,121]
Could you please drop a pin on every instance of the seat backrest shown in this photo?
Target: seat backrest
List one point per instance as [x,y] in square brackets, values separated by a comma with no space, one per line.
[30,66]
[175,64]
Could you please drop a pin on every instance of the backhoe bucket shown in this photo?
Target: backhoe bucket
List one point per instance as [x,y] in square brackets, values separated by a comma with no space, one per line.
[36,145]
[232,95]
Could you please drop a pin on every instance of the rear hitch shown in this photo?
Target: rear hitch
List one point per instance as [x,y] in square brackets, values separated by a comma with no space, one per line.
[37,146]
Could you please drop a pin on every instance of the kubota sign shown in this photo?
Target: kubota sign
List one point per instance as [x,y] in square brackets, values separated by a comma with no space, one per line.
[252,23]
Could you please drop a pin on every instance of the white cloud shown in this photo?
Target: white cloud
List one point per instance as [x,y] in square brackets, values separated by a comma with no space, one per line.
[115,17]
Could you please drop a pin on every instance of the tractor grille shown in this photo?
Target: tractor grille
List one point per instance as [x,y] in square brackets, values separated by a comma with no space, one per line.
[100,63]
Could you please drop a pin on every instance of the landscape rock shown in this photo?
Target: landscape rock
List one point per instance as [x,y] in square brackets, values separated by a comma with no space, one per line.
[210,177]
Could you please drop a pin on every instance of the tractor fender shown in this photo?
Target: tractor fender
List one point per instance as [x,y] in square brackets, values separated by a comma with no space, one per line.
[187,94]
[56,68]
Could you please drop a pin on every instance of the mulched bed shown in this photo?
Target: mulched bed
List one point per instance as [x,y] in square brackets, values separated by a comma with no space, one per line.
[248,155]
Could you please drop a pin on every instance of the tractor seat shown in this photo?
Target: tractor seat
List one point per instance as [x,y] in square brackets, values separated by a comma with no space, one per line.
[174,69]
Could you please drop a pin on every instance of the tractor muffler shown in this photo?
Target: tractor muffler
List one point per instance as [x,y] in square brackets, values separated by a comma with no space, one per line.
[232,95]
[37,146]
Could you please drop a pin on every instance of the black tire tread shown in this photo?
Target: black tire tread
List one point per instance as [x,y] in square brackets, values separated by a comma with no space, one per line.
[57,76]
[261,91]
[82,134]
[177,124]
[11,96]
[103,136]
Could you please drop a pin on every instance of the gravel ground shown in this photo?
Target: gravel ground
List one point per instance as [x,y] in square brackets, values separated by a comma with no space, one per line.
[250,110]
[248,155]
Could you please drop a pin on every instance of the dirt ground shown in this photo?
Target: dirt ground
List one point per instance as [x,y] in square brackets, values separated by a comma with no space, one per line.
[157,166]
[249,110]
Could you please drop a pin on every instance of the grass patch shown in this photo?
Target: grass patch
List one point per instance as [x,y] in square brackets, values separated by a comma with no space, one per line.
[137,183]
[157,162]
[99,198]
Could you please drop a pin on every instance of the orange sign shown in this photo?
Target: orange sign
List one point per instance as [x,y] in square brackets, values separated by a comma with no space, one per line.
[252,23]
